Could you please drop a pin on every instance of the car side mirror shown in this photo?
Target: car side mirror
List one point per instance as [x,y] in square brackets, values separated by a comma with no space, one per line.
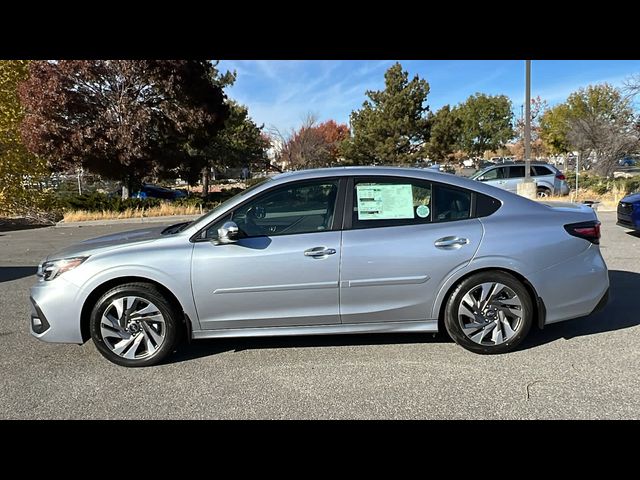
[482,179]
[228,233]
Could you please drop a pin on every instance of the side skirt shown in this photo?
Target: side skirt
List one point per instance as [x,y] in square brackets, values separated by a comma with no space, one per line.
[387,327]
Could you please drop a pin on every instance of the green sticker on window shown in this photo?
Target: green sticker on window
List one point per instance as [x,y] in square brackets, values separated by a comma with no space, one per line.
[422,211]
[384,202]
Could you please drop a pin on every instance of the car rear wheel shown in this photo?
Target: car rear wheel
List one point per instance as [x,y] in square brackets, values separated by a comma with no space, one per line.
[543,192]
[134,325]
[489,312]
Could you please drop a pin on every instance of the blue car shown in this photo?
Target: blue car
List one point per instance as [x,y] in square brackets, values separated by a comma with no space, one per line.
[154,191]
[629,212]
[627,162]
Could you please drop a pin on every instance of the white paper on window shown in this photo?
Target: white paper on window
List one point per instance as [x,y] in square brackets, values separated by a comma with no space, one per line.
[384,202]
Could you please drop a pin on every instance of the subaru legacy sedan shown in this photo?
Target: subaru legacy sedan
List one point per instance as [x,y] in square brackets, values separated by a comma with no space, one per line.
[330,251]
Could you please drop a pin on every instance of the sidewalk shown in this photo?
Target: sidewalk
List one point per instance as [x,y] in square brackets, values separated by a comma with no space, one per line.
[144,220]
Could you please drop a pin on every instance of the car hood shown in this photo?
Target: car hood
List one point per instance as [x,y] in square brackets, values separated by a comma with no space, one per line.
[109,242]
[633,198]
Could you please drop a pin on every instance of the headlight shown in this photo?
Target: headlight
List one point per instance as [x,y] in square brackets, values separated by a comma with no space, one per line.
[54,268]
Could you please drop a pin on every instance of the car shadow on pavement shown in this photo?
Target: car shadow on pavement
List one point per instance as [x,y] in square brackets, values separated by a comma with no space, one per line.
[205,348]
[7,274]
[621,312]
[634,233]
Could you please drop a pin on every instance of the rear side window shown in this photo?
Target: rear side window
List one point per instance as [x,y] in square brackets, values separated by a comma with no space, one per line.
[392,202]
[516,171]
[451,204]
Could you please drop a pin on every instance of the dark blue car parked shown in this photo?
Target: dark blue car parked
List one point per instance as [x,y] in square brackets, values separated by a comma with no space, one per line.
[629,212]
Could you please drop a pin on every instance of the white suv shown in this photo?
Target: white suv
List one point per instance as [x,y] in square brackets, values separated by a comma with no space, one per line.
[549,180]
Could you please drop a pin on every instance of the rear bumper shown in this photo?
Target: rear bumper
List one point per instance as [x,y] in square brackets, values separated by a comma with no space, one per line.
[602,303]
[573,288]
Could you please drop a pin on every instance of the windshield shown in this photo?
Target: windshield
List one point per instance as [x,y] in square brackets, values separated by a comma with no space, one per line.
[223,205]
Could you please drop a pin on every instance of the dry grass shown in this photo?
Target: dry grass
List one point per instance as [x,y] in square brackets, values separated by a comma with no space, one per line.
[607,201]
[165,209]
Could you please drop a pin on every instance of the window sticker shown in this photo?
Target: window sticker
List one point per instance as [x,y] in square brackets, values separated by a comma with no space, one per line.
[384,202]
[422,211]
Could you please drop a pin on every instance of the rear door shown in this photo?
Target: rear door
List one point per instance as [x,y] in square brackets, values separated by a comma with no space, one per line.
[515,175]
[402,238]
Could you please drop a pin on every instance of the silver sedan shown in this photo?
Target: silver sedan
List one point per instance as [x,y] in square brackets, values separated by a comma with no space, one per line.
[329,251]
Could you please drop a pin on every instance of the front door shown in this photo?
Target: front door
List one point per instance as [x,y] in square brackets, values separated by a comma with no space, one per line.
[406,237]
[283,271]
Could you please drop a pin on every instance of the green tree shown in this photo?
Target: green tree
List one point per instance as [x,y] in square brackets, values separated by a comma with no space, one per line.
[391,127]
[19,169]
[240,143]
[486,123]
[554,127]
[598,121]
[446,129]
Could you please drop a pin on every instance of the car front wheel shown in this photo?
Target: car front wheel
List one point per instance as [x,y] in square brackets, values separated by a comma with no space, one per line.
[134,325]
[489,312]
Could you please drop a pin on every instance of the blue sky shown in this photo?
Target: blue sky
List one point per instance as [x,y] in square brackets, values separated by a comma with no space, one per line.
[280,93]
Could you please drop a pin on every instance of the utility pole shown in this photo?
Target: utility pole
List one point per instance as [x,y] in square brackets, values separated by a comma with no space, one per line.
[527,188]
[527,125]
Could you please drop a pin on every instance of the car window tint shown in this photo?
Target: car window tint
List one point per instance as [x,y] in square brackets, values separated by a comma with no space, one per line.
[391,202]
[516,171]
[292,209]
[451,204]
[494,174]
[540,170]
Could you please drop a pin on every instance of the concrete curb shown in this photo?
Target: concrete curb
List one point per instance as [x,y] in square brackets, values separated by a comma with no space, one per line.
[120,221]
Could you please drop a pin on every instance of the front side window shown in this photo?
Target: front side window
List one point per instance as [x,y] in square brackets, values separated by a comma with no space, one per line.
[291,209]
[493,174]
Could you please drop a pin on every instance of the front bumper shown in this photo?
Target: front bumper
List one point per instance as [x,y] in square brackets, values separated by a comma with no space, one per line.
[55,311]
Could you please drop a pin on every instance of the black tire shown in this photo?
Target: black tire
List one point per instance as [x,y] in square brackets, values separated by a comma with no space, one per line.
[145,291]
[543,192]
[454,327]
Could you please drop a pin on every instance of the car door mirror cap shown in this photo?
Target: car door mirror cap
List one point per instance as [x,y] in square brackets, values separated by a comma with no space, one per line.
[228,233]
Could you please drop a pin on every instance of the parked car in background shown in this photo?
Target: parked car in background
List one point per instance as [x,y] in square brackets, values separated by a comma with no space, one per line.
[330,251]
[549,180]
[629,212]
[627,162]
[155,191]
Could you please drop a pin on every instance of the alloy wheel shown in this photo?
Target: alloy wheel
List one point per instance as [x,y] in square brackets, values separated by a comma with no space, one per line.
[490,314]
[133,327]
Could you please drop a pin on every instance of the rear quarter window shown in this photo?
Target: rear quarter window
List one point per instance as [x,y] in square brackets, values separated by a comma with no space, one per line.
[540,170]
[486,205]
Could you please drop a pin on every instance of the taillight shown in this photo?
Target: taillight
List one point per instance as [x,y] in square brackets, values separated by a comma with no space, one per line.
[587,230]
[561,176]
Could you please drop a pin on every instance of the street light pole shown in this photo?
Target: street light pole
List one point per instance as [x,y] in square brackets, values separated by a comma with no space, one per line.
[527,125]
[527,188]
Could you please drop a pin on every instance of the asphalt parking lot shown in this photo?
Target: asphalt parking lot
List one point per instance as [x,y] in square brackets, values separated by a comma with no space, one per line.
[581,369]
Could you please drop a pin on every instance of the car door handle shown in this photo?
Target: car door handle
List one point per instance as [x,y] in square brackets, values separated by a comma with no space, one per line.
[319,252]
[451,242]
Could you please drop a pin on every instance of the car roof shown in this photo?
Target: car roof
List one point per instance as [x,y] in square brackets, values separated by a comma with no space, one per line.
[502,164]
